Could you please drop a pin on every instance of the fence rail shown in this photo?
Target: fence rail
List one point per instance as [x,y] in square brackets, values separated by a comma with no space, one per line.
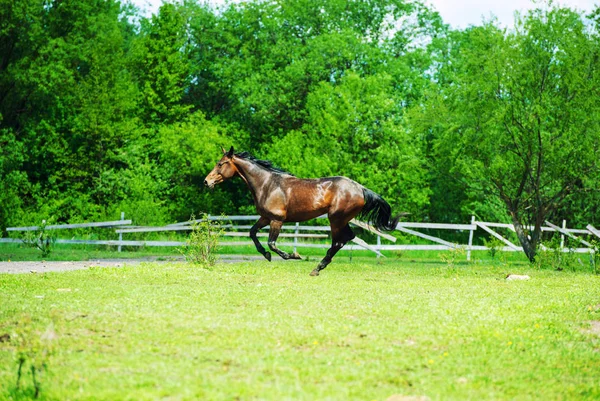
[73,226]
[316,232]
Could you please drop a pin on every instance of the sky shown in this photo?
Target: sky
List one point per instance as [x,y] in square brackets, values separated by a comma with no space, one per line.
[457,13]
[462,13]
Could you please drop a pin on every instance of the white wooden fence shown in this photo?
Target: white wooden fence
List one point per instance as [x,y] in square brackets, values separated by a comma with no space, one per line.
[316,235]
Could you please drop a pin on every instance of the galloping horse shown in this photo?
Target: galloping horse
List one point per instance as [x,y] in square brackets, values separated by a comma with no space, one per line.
[280,197]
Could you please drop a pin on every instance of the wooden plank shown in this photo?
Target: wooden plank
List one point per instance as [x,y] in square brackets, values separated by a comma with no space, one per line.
[497,225]
[568,234]
[218,218]
[439,226]
[11,240]
[593,230]
[363,244]
[234,218]
[281,235]
[428,237]
[417,247]
[546,229]
[70,226]
[470,244]
[153,229]
[284,227]
[306,228]
[368,227]
[236,227]
[496,235]
[117,242]
[229,218]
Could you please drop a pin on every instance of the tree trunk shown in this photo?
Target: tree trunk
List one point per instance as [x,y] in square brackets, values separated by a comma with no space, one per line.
[528,242]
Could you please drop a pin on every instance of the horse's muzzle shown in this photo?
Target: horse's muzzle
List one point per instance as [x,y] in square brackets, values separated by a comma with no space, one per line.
[213,179]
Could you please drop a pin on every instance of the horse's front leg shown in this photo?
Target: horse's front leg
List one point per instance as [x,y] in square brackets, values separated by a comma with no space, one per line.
[274,231]
[263,221]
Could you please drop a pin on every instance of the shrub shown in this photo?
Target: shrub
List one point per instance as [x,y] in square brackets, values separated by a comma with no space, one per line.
[40,239]
[203,243]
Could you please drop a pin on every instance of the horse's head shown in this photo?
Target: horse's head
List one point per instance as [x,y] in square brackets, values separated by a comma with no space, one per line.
[222,171]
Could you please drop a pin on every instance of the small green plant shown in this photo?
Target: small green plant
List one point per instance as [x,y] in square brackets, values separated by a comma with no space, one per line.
[33,351]
[494,245]
[202,245]
[552,255]
[452,256]
[40,239]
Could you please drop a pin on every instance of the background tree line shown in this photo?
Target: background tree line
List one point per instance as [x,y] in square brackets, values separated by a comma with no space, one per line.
[103,111]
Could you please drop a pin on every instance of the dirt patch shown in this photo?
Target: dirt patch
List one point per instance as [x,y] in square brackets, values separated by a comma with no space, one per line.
[397,397]
[594,328]
[45,267]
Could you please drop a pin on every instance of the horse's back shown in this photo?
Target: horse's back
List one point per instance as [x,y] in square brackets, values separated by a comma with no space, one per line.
[310,198]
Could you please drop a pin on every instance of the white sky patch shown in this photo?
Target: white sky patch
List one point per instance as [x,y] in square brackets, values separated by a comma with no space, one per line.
[462,13]
[457,13]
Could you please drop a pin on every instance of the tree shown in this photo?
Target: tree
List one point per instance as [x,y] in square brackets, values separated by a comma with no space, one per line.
[257,62]
[355,129]
[12,179]
[518,113]
[162,63]
[68,99]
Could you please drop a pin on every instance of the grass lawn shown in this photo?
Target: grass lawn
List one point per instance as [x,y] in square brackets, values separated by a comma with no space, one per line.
[260,331]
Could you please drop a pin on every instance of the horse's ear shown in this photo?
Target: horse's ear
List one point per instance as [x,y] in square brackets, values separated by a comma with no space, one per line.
[223,149]
[230,153]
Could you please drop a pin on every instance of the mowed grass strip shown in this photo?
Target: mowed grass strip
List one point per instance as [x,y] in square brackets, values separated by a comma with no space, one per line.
[268,331]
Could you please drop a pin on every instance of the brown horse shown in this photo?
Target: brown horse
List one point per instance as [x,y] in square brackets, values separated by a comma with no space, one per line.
[280,197]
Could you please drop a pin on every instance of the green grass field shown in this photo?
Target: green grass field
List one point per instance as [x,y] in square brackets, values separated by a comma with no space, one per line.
[260,331]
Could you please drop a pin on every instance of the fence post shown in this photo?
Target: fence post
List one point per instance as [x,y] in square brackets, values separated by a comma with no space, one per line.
[121,234]
[378,246]
[562,236]
[296,237]
[471,239]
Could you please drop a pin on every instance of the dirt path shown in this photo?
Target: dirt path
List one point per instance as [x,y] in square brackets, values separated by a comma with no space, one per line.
[45,267]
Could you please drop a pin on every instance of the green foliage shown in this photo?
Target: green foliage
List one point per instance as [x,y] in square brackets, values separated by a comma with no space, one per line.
[161,59]
[40,239]
[203,243]
[513,118]
[12,179]
[494,246]
[452,258]
[358,114]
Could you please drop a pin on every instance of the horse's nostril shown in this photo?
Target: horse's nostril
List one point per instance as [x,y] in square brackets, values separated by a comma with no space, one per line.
[205,183]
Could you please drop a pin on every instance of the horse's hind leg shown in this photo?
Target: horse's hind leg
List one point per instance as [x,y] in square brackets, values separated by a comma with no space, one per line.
[339,238]
[263,221]
[273,234]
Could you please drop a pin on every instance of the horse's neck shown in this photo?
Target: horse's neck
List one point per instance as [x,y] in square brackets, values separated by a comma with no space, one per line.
[255,177]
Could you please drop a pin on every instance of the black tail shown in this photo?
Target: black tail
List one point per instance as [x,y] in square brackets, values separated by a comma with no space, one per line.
[378,212]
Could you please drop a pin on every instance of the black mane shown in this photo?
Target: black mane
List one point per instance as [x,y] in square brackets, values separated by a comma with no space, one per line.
[263,163]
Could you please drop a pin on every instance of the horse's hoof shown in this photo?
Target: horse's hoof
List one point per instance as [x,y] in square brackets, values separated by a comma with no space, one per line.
[295,255]
[267,256]
[314,272]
